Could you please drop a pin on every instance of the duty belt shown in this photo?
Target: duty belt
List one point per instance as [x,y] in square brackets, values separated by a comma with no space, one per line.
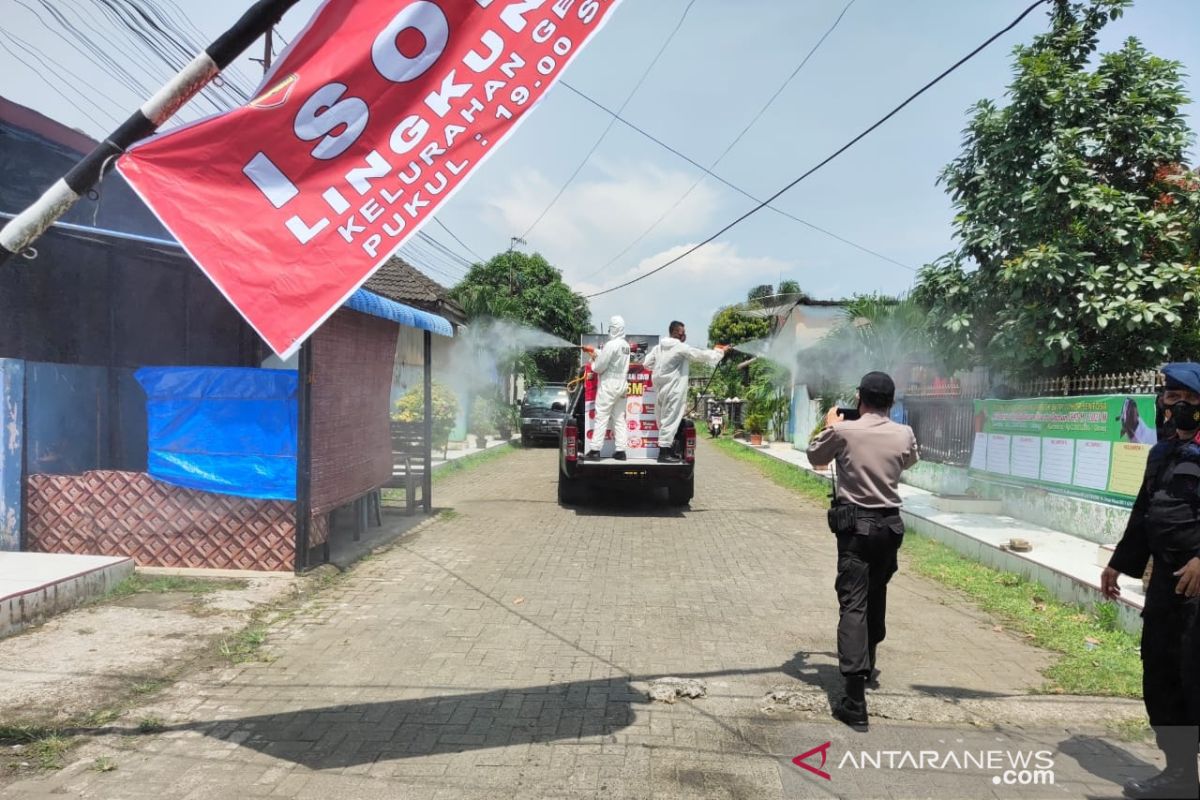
[863,511]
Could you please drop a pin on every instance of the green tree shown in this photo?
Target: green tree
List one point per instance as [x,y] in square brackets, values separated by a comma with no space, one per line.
[733,326]
[876,332]
[1077,227]
[756,296]
[790,292]
[526,289]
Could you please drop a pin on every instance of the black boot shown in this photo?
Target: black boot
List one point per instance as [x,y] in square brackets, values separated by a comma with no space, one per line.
[619,455]
[852,709]
[591,455]
[1173,783]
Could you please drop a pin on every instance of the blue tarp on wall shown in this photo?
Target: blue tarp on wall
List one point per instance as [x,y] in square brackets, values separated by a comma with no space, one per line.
[12,414]
[222,429]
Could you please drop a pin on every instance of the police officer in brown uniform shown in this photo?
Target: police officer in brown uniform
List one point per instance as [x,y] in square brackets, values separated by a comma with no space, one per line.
[870,453]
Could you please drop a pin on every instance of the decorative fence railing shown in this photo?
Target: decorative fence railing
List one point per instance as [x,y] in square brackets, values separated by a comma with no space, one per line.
[942,410]
[944,427]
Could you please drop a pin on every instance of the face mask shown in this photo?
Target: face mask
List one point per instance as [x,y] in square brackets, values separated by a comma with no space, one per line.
[1185,415]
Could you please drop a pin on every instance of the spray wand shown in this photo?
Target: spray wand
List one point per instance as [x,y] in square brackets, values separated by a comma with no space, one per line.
[708,382]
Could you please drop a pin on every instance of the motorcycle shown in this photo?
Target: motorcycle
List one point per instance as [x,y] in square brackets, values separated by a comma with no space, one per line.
[715,425]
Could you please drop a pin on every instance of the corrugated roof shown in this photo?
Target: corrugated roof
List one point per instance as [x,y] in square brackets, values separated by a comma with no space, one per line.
[367,302]
[400,281]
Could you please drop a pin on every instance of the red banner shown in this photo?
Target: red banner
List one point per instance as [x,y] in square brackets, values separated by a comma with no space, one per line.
[369,121]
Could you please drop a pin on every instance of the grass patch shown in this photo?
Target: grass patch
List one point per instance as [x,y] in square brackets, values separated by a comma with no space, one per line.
[779,472]
[1096,657]
[448,515]
[139,583]
[149,686]
[43,746]
[151,725]
[24,734]
[245,645]
[1135,729]
[48,752]
[103,717]
[104,764]
[474,460]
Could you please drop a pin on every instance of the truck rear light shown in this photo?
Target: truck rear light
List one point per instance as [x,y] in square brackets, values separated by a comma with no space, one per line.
[569,443]
[689,445]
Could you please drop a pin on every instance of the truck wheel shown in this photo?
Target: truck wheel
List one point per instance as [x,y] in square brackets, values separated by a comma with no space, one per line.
[525,440]
[680,492]
[570,493]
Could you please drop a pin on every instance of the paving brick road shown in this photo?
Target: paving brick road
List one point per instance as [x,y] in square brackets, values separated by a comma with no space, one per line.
[505,651]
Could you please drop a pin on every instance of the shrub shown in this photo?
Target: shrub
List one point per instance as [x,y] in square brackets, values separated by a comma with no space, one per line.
[411,408]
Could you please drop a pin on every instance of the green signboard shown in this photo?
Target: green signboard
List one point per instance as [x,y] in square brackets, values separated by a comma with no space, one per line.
[1093,447]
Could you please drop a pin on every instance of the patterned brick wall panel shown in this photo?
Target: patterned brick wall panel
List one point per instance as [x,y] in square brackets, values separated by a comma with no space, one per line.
[318,531]
[353,356]
[105,512]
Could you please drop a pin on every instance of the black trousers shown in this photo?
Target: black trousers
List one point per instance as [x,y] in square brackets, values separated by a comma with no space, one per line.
[866,562]
[1171,667]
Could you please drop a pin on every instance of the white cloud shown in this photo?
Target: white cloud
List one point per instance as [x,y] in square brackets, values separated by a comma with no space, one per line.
[599,216]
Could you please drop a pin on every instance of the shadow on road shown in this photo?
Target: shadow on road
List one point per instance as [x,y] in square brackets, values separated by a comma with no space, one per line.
[953,694]
[826,677]
[1106,760]
[339,736]
[637,501]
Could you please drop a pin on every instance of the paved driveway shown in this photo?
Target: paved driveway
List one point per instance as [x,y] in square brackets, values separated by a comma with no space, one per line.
[506,650]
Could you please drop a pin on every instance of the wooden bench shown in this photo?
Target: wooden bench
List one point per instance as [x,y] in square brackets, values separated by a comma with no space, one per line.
[408,461]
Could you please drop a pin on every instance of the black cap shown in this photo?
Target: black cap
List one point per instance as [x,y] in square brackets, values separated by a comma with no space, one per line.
[879,384]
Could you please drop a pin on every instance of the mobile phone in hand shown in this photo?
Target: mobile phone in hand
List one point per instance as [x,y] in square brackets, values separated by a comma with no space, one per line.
[849,413]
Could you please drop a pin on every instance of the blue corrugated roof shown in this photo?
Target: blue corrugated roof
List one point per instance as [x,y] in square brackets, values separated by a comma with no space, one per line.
[371,303]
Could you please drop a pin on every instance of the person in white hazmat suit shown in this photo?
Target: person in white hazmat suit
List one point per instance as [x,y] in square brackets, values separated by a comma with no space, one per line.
[668,362]
[612,370]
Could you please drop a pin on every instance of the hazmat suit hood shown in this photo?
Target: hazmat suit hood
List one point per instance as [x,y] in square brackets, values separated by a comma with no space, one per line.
[612,368]
[616,327]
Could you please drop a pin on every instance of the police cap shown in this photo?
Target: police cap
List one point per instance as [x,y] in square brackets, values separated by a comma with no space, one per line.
[1183,375]
[880,384]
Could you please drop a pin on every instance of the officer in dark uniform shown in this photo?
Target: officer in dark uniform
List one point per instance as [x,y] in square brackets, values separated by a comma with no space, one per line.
[1165,524]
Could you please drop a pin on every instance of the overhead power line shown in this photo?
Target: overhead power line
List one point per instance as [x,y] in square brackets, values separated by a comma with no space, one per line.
[50,68]
[708,172]
[764,204]
[459,261]
[442,225]
[612,121]
[42,73]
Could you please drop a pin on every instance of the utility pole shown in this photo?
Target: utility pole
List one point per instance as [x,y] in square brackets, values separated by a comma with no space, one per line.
[31,223]
[514,241]
[268,47]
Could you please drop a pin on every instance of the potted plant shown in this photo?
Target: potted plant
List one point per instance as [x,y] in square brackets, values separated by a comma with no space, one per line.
[756,425]
[506,418]
[480,423]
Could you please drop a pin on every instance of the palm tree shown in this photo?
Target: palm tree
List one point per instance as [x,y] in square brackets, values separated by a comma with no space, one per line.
[876,333]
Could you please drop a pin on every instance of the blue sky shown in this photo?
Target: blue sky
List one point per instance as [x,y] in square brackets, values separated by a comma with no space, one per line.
[723,64]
